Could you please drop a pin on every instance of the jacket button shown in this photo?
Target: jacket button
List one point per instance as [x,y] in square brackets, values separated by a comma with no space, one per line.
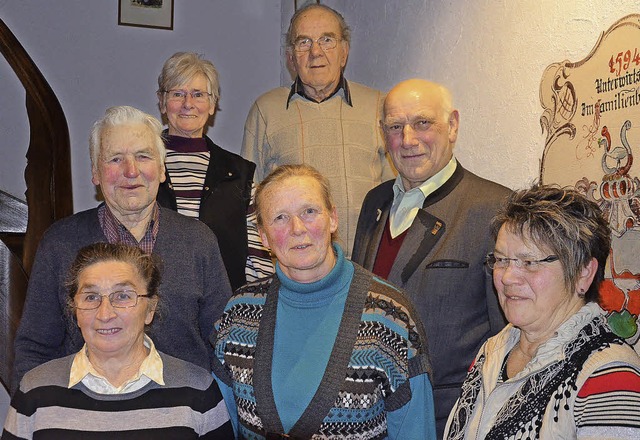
[230,174]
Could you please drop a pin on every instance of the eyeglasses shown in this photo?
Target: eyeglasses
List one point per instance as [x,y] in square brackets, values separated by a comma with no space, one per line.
[120,299]
[181,95]
[528,265]
[326,42]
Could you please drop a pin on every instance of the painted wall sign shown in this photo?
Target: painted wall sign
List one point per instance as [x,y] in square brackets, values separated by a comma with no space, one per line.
[591,119]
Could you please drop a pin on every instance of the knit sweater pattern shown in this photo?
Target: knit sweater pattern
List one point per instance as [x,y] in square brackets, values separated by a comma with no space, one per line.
[583,383]
[378,348]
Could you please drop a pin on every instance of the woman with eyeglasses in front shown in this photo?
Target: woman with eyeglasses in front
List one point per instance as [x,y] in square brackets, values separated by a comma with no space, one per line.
[203,180]
[118,385]
[557,370]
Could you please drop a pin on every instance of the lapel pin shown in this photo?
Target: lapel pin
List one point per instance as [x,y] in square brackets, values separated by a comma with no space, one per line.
[436,228]
[378,214]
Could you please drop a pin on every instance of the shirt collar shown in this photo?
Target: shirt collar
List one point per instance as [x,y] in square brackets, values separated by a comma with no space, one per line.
[83,371]
[430,185]
[298,89]
[407,204]
[116,232]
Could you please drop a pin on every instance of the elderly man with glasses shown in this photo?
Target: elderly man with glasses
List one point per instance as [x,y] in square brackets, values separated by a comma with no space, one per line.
[322,120]
[127,158]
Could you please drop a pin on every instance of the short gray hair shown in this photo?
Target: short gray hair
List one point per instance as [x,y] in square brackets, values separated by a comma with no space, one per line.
[182,67]
[345,31]
[124,115]
[564,221]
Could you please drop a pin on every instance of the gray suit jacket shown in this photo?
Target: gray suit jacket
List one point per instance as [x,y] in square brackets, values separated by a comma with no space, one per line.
[441,267]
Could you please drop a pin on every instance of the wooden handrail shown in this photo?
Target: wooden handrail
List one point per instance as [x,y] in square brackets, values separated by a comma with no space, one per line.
[48,171]
[49,198]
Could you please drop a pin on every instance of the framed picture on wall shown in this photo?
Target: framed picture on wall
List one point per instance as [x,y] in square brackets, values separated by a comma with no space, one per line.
[297,4]
[156,14]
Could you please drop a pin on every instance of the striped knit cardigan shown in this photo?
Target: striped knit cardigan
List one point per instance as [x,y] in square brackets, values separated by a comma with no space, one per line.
[188,406]
[367,375]
[583,383]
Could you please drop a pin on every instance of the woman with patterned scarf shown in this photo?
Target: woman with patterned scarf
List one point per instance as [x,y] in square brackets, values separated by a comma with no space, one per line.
[557,370]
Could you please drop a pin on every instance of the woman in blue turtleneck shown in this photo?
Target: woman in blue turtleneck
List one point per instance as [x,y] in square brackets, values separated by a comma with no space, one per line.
[203,180]
[323,347]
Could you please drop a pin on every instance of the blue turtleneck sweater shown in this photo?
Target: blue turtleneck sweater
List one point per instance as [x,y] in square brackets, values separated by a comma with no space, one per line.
[307,324]
[308,317]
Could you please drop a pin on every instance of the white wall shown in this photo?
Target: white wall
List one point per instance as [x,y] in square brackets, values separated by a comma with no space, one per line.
[490,53]
[92,63]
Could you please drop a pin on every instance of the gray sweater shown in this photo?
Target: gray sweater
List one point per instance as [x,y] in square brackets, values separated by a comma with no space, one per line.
[193,293]
[188,406]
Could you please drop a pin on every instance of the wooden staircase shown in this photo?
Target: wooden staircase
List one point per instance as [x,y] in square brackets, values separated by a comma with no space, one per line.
[49,196]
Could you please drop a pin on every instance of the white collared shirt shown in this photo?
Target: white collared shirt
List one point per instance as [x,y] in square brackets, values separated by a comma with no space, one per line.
[83,371]
[406,204]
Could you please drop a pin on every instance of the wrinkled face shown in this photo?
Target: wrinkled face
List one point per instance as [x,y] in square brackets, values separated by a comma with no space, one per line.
[129,170]
[187,117]
[418,136]
[535,301]
[113,332]
[319,69]
[297,226]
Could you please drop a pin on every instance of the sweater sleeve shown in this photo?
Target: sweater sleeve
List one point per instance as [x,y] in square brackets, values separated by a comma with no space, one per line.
[13,429]
[217,292]
[608,404]
[40,336]
[388,171]
[259,263]
[254,140]
[416,419]
[230,402]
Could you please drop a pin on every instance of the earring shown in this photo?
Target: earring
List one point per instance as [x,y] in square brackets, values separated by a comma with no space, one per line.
[581,293]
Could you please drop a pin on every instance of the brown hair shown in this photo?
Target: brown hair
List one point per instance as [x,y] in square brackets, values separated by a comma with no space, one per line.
[146,265]
[564,221]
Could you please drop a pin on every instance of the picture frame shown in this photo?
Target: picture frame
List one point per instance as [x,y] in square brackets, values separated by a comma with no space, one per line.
[156,14]
[297,4]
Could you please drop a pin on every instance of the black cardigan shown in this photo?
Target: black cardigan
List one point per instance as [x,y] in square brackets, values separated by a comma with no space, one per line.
[223,206]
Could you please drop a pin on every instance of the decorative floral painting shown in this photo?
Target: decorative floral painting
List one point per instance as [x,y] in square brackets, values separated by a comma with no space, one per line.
[591,119]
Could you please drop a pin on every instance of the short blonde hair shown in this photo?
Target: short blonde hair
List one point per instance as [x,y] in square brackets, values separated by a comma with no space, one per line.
[182,67]
[282,173]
